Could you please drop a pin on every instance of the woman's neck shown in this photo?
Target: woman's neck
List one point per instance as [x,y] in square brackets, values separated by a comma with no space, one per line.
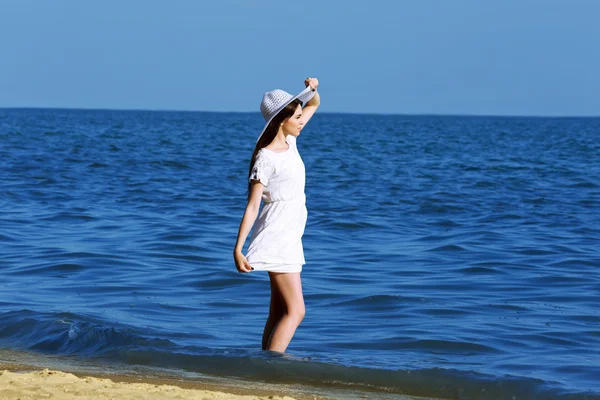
[279,142]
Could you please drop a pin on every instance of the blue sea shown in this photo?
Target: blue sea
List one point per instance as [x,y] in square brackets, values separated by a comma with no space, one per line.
[447,256]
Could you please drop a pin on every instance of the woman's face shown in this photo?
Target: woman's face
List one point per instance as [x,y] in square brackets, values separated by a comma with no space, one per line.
[294,124]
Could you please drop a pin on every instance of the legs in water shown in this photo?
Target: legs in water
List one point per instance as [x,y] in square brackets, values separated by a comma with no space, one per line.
[276,311]
[286,310]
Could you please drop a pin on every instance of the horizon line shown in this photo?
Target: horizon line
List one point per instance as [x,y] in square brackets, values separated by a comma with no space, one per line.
[322,112]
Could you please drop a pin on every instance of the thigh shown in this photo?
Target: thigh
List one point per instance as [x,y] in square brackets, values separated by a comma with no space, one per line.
[276,305]
[289,287]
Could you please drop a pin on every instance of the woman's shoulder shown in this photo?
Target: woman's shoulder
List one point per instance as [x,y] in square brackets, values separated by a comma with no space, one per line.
[264,154]
[267,157]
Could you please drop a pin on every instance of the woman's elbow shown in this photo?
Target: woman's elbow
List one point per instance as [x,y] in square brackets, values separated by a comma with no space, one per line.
[252,208]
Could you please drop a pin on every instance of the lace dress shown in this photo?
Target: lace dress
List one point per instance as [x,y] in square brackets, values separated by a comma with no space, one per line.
[276,239]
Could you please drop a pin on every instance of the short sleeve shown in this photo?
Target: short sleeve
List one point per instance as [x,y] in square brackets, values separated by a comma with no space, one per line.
[263,169]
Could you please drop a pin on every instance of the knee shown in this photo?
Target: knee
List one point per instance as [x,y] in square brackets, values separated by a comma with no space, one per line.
[298,312]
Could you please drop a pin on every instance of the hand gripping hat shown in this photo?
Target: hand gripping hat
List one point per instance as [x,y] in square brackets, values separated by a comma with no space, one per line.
[276,100]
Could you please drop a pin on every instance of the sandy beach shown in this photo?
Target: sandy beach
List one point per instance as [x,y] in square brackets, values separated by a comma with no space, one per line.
[25,375]
[63,385]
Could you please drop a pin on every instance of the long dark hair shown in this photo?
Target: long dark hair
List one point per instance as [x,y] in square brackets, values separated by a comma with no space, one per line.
[271,131]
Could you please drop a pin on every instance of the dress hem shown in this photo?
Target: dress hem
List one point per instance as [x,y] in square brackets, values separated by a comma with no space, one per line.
[272,267]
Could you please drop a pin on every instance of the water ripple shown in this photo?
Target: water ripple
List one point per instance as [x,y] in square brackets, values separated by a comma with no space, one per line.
[457,250]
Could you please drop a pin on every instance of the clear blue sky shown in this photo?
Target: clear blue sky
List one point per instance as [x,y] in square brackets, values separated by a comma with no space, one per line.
[509,57]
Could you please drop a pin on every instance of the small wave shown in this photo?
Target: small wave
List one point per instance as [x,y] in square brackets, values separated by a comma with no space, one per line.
[449,346]
[486,184]
[216,284]
[73,334]
[535,252]
[508,216]
[66,216]
[559,279]
[441,208]
[7,238]
[67,333]
[443,311]
[510,307]
[479,270]
[490,264]
[571,263]
[48,269]
[172,164]
[448,248]
[583,185]
[98,165]
[379,300]
[347,225]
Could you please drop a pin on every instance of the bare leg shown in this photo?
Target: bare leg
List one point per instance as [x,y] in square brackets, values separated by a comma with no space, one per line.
[290,288]
[276,311]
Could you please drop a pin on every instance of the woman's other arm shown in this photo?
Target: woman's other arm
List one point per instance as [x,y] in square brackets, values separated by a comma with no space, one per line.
[248,219]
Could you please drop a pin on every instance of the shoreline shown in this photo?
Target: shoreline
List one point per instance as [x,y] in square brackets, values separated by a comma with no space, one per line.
[28,375]
[39,371]
[50,383]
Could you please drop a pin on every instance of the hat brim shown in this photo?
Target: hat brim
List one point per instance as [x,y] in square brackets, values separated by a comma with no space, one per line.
[304,96]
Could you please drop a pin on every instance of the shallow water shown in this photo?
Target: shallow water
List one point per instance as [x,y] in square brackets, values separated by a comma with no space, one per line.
[446,256]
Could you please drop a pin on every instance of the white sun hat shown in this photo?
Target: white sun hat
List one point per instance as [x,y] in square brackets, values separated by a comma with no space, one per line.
[276,100]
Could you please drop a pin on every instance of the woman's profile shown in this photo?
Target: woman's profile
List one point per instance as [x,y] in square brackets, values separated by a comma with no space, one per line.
[277,176]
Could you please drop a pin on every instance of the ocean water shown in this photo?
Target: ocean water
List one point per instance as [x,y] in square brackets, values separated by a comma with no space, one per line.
[450,257]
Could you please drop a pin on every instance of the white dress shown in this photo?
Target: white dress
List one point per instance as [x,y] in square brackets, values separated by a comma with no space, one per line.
[276,240]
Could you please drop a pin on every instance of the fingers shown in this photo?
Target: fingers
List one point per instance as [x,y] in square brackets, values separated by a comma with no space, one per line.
[248,266]
[312,82]
[244,266]
[243,269]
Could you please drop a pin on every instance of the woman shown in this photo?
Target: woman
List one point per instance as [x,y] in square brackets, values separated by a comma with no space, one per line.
[276,175]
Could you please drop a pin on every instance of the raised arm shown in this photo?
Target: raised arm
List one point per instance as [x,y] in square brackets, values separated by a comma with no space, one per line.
[311,106]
